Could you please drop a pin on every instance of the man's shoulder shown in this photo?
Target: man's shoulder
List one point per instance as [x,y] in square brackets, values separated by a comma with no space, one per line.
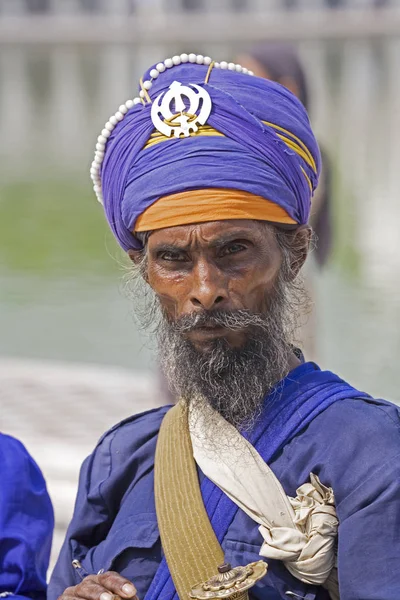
[356,441]
[10,442]
[13,453]
[362,416]
[135,429]
[353,446]
[355,427]
[127,448]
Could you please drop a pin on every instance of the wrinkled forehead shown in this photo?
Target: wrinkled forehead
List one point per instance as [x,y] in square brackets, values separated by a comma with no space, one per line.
[212,233]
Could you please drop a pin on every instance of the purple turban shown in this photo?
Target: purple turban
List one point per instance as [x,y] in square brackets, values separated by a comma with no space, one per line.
[263,145]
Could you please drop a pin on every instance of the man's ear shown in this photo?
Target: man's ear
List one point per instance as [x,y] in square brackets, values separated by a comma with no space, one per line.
[300,243]
[137,257]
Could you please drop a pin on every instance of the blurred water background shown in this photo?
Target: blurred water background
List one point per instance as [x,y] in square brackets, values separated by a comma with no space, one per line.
[72,361]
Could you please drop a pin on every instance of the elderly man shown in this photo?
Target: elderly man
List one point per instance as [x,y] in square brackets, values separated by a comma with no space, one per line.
[266,463]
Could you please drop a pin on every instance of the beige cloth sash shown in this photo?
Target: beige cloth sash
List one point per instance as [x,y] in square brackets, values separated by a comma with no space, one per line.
[191,548]
[299,531]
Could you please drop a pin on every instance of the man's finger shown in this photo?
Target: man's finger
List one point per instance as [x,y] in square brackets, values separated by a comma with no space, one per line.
[113,582]
[77,592]
[91,589]
[70,597]
[107,586]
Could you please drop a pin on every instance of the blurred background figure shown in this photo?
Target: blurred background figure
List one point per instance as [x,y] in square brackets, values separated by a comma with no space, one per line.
[72,360]
[26,523]
[280,62]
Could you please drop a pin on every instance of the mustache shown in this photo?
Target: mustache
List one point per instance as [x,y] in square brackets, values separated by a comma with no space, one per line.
[229,319]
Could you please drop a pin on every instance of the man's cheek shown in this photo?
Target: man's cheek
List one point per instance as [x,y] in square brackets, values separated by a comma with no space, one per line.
[169,306]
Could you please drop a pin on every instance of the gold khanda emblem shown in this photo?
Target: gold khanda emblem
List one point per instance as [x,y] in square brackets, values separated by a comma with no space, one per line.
[231,582]
[180,117]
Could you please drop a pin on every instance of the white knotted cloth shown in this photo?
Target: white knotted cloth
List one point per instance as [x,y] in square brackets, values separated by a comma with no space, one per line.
[299,531]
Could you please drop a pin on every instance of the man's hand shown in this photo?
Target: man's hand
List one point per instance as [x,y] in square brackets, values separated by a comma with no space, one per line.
[101,587]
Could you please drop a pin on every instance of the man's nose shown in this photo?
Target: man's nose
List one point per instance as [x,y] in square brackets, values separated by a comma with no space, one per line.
[208,289]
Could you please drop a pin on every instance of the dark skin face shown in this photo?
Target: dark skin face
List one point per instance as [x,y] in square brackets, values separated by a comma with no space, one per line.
[226,265]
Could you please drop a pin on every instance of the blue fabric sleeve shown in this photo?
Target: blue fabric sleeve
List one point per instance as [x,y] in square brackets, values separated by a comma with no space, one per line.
[369,538]
[26,523]
[123,455]
[369,531]
[90,522]
[354,447]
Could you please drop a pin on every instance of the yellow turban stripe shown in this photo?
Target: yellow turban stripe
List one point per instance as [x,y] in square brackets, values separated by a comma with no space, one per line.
[204,130]
[293,142]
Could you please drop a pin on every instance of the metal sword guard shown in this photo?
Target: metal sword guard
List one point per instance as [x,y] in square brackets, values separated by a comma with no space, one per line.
[231,582]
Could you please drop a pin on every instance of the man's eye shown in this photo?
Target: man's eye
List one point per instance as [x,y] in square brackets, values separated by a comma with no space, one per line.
[170,256]
[232,249]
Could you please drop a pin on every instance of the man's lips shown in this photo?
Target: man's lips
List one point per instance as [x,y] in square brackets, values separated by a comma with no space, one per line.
[206,332]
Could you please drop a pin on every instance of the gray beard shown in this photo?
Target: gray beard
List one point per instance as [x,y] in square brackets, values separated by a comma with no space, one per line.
[234,381]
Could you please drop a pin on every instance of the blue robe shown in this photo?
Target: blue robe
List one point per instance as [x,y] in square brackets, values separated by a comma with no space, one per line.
[353,446]
[26,523]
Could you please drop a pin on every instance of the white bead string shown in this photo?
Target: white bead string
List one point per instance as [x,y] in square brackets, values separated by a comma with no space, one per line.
[113,121]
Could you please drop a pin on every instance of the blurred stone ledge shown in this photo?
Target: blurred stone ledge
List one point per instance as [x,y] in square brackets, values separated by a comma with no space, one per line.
[168,27]
[69,402]
[59,411]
